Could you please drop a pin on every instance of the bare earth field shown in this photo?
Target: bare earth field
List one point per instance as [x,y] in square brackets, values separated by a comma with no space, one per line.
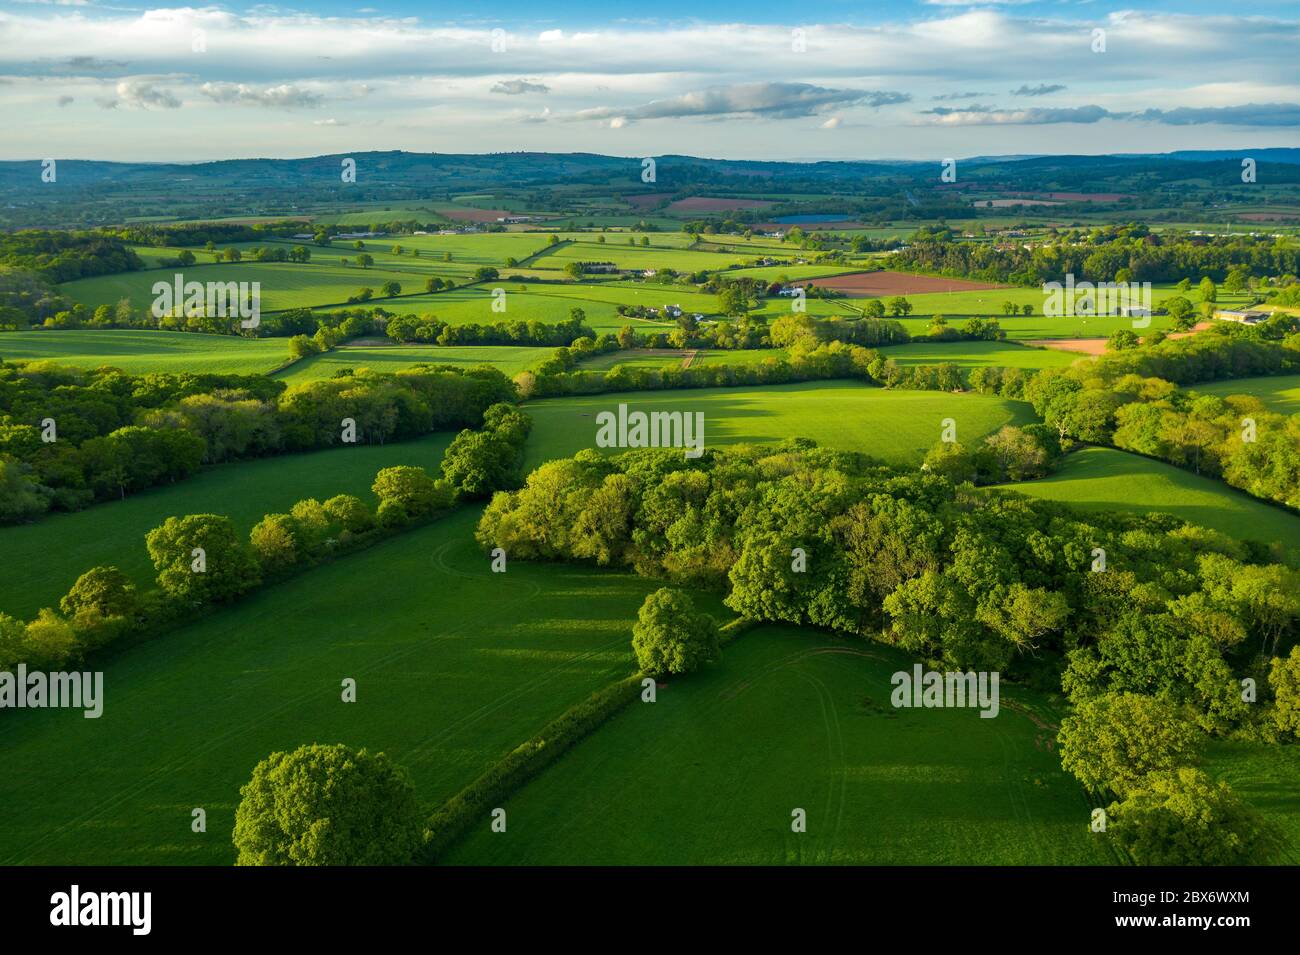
[877,284]
[1097,346]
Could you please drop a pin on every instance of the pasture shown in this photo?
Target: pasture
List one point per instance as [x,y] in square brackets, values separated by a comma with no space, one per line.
[1005,354]
[455,665]
[283,284]
[1100,479]
[140,352]
[509,359]
[1281,393]
[897,427]
[44,558]
[710,773]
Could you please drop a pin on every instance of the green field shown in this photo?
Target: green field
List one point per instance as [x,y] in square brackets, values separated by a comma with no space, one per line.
[139,352]
[894,426]
[455,665]
[674,357]
[710,773]
[988,303]
[1006,354]
[43,559]
[1106,479]
[283,284]
[509,359]
[640,257]
[1281,393]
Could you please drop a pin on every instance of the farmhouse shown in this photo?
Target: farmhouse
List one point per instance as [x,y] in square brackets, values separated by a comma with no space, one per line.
[513,220]
[1135,311]
[673,311]
[1247,316]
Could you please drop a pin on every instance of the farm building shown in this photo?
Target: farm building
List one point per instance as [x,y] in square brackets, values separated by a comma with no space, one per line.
[1247,316]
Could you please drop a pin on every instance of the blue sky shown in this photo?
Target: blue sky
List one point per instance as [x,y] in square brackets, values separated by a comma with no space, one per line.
[759,80]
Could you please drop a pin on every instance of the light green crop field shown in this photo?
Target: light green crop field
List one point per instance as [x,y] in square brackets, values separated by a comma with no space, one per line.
[1006,354]
[551,303]
[791,719]
[138,352]
[638,257]
[283,284]
[491,248]
[1281,393]
[1106,479]
[454,667]
[894,426]
[509,359]
[43,559]
[988,303]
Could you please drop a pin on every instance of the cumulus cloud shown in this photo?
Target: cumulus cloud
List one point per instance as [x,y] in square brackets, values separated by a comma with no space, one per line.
[771,100]
[516,87]
[145,94]
[283,96]
[1042,89]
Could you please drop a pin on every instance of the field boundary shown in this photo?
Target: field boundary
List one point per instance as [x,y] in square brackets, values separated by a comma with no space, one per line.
[454,818]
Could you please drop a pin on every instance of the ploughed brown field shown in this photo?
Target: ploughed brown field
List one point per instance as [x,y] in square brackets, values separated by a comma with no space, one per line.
[1097,346]
[876,284]
[712,204]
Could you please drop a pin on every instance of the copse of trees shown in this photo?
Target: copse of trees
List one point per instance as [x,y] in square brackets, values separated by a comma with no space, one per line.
[1150,649]
[917,561]
[427,329]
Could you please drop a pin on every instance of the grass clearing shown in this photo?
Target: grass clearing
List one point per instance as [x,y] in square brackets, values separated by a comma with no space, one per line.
[1105,479]
[894,426]
[1281,393]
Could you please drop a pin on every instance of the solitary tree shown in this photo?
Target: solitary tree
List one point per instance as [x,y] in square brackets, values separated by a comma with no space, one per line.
[327,805]
[670,636]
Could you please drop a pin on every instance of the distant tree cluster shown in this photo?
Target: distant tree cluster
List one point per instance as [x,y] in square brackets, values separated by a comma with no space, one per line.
[427,329]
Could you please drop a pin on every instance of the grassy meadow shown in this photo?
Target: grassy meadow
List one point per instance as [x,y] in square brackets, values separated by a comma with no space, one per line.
[140,352]
[1106,479]
[710,773]
[895,426]
[44,558]
[455,665]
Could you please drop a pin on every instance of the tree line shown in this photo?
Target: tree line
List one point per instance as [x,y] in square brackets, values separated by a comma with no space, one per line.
[69,437]
[202,562]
